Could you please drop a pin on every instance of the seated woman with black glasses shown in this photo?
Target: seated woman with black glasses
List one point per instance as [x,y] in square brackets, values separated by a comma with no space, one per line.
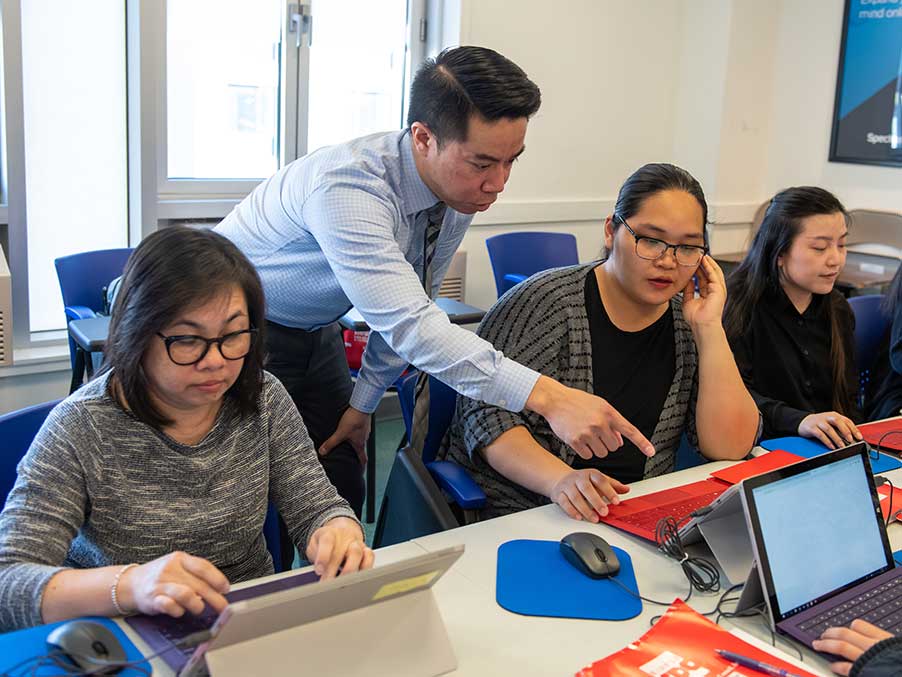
[620,329]
[147,489]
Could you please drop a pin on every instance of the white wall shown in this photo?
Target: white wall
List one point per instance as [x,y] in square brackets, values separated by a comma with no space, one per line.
[807,54]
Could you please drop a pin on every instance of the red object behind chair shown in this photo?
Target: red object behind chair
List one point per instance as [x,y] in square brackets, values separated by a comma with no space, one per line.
[355,343]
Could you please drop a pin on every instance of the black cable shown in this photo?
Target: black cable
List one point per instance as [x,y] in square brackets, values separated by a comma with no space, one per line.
[883,437]
[879,481]
[59,659]
[702,574]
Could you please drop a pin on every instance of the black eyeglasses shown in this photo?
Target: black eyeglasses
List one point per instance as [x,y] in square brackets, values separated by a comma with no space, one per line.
[188,349]
[651,248]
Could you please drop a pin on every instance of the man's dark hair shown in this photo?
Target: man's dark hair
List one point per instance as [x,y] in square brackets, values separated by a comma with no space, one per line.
[464,81]
[171,271]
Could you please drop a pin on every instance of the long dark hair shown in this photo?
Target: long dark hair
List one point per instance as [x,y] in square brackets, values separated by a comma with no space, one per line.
[172,270]
[651,179]
[893,296]
[759,273]
[463,81]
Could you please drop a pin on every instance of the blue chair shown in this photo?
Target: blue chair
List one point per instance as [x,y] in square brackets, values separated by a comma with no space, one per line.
[82,278]
[517,256]
[17,430]
[871,326]
[419,489]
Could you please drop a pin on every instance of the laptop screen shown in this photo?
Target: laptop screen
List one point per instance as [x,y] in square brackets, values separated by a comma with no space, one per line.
[817,530]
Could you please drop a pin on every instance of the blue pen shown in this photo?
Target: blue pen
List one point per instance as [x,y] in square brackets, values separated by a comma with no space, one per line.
[747,662]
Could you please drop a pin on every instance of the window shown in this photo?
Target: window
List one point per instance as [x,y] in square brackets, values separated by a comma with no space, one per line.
[71,147]
[250,87]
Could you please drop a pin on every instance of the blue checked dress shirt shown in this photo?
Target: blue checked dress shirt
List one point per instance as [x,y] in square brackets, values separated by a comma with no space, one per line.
[337,229]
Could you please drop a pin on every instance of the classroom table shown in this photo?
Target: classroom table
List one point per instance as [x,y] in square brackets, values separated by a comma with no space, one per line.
[458,313]
[487,639]
[89,335]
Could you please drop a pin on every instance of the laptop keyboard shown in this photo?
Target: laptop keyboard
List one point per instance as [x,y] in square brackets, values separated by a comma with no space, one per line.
[881,606]
[648,519]
[175,629]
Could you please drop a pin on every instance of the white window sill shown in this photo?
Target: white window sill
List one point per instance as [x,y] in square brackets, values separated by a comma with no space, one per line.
[38,360]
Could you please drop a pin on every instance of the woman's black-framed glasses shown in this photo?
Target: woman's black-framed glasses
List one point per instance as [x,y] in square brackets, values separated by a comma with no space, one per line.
[188,349]
[651,248]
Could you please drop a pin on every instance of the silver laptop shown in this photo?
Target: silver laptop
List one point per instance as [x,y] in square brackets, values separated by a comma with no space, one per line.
[822,554]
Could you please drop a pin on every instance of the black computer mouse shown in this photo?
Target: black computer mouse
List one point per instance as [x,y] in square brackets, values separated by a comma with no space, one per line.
[590,554]
[87,644]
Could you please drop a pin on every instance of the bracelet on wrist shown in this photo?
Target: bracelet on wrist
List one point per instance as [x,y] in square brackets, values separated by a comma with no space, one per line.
[114,589]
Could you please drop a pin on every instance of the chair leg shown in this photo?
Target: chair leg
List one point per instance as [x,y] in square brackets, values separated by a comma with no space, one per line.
[78,370]
[371,472]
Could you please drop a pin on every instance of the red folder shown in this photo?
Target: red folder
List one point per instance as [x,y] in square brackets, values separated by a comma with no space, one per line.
[756,466]
[873,432]
[683,643]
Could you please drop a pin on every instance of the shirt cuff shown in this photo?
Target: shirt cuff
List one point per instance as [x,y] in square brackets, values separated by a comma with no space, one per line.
[366,396]
[511,387]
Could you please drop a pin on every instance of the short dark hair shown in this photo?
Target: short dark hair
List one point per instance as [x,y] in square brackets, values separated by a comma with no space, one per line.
[172,270]
[463,81]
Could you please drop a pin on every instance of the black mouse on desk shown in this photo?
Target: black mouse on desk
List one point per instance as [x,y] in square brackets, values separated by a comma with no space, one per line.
[590,554]
[87,644]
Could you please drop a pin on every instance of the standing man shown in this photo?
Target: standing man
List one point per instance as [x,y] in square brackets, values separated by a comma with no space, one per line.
[370,223]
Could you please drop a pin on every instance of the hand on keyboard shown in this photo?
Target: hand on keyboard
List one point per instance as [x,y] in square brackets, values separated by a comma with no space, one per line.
[585,494]
[849,643]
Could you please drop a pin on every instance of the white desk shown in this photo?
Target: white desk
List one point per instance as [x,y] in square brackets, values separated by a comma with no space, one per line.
[489,640]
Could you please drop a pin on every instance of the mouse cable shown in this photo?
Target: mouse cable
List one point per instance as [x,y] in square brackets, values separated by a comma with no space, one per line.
[883,437]
[59,660]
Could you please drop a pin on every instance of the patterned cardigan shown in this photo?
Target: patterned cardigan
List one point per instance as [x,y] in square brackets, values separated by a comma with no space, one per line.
[542,323]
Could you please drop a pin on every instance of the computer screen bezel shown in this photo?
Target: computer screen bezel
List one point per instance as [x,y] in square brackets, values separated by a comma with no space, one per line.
[751,510]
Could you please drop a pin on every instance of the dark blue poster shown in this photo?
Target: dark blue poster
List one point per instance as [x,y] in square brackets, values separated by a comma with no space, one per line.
[867,116]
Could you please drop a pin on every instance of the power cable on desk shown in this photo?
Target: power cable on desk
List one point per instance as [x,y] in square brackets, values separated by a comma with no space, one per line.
[59,659]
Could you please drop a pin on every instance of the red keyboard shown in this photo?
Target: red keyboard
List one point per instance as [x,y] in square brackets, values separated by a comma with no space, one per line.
[648,519]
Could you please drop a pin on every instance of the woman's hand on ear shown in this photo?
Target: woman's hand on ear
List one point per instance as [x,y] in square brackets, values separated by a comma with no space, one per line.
[707,308]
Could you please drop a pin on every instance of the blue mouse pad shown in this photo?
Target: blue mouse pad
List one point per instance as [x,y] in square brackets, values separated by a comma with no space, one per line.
[802,446]
[534,579]
[19,646]
[898,557]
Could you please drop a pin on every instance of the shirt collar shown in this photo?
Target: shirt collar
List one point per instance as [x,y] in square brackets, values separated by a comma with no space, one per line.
[785,304]
[415,194]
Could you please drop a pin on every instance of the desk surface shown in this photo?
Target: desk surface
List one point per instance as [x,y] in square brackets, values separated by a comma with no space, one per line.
[90,334]
[490,640]
[457,312]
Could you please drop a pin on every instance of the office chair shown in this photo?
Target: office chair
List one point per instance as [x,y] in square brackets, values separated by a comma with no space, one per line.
[871,326]
[517,256]
[425,496]
[17,430]
[82,278]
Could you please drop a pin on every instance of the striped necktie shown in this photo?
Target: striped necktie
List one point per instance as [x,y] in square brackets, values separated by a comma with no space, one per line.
[420,426]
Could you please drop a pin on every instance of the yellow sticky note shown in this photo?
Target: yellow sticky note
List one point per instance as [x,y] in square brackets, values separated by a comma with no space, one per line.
[405,585]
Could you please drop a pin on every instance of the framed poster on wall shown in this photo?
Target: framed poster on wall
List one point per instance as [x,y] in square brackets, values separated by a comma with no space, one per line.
[867,113]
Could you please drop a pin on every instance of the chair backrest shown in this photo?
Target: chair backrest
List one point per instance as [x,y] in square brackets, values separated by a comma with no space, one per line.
[17,430]
[870,225]
[528,253]
[870,327]
[83,276]
[442,399]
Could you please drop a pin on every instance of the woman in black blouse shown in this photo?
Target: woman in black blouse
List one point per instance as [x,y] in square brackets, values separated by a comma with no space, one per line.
[790,330]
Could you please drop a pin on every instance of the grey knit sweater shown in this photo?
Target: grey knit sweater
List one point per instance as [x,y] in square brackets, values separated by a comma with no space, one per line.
[98,487]
[542,323]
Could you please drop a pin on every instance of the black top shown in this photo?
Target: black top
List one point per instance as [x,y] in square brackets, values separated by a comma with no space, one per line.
[885,378]
[633,371]
[784,359]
